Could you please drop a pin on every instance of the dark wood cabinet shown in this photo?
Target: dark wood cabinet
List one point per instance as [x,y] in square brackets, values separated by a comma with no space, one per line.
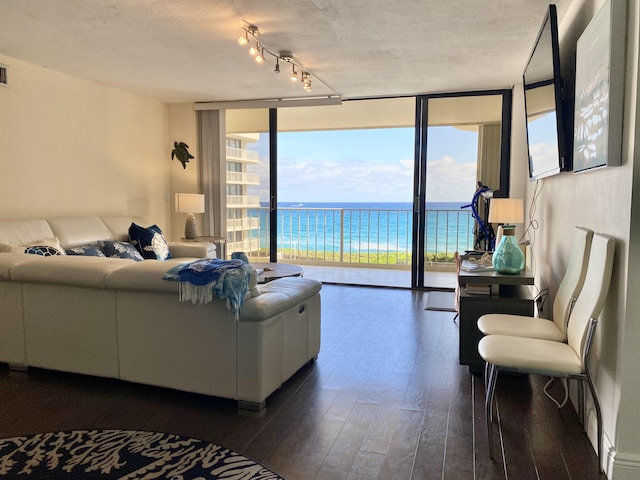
[509,294]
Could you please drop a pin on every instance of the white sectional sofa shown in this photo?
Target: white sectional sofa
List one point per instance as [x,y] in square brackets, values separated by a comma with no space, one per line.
[118,318]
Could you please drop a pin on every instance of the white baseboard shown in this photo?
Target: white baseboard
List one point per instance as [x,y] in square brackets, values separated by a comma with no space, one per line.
[623,466]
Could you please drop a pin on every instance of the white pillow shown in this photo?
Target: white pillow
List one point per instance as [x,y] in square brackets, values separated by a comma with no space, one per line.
[254,291]
[22,247]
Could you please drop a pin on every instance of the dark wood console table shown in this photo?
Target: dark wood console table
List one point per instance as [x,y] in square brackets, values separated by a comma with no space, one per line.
[509,294]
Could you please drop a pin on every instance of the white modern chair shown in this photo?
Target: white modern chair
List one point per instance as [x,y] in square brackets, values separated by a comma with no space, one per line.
[535,327]
[557,359]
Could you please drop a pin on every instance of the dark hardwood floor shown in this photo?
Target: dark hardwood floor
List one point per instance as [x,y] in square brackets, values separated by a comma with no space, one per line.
[386,399]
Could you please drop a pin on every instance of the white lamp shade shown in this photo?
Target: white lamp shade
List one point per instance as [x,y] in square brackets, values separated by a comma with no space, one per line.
[506,210]
[189,203]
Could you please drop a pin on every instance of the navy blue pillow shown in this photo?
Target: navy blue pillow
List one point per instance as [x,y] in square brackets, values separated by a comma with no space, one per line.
[86,250]
[120,250]
[150,242]
[43,250]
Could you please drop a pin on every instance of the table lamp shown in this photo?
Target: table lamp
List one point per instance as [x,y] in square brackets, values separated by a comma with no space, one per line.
[190,203]
[507,257]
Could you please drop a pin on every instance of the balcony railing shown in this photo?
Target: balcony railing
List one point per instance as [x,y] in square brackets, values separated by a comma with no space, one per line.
[358,236]
[243,178]
[247,156]
[242,201]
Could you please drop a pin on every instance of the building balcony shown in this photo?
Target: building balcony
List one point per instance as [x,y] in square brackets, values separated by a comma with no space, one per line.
[242,155]
[243,201]
[242,178]
[242,224]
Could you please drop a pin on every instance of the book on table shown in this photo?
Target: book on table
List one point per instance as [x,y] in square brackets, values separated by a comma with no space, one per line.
[478,289]
[469,266]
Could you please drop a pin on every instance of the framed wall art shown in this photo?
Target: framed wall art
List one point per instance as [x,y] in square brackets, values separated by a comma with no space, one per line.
[599,97]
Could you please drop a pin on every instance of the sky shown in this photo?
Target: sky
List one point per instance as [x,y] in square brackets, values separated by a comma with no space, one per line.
[371,165]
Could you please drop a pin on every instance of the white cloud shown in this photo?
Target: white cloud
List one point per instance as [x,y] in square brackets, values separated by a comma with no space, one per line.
[450,181]
[359,181]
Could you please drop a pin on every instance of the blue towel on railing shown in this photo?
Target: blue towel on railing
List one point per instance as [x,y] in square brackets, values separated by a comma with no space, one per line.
[201,279]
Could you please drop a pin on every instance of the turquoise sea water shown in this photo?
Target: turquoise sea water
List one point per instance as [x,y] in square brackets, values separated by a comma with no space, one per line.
[368,227]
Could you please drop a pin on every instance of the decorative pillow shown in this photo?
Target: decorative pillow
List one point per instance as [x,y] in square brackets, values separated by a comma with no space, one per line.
[23,247]
[120,250]
[150,242]
[86,250]
[43,250]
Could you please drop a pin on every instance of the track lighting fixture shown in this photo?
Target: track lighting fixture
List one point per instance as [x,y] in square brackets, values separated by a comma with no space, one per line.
[260,55]
[258,51]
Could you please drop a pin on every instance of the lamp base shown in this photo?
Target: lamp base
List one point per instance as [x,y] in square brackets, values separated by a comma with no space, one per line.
[190,227]
[508,257]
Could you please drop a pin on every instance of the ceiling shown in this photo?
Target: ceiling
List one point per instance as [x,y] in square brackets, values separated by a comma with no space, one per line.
[188,50]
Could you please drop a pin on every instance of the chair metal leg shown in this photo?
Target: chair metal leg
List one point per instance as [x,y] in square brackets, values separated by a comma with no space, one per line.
[596,403]
[486,375]
[581,404]
[488,406]
[491,383]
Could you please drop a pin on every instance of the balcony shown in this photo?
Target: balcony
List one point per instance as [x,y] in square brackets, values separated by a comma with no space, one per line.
[243,178]
[242,155]
[240,224]
[243,201]
[364,238]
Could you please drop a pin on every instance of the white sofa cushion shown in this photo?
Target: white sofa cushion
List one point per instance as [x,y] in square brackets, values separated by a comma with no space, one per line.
[145,276]
[89,272]
[284,293]
[24,231]
[10,260]
[77,231]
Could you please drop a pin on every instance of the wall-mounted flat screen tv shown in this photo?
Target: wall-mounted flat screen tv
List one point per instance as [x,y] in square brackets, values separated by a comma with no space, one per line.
[544,105]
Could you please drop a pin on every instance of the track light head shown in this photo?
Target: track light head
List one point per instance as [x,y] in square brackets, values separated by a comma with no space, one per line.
[258,51]
[249,30]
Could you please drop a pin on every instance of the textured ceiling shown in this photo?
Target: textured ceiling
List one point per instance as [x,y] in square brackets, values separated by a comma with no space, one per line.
[187,50]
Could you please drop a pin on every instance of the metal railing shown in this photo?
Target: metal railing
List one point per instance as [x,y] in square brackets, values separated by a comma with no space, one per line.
[243,201]
[243,178]
[358,236]
[243,154]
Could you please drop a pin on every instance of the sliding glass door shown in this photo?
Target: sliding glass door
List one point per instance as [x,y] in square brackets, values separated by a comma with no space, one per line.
[376,184]
[461,160]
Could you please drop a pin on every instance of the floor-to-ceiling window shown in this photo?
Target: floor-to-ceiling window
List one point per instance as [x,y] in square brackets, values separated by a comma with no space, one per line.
[462,159]
[370,183]
[247,182]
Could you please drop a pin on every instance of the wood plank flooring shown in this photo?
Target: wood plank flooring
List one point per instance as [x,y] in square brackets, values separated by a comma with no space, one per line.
[386,399]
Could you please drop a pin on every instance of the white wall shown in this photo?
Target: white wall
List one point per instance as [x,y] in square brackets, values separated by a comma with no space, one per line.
[73,147]
[182,128]
[600,200]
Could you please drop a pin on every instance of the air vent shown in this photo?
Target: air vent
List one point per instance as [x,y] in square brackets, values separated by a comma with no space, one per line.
[3,75]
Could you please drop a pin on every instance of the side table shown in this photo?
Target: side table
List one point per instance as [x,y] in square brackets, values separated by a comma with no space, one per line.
[220,243]
[272,271]
[509,294]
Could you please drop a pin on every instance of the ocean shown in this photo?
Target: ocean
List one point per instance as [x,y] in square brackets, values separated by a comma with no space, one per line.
[383,227]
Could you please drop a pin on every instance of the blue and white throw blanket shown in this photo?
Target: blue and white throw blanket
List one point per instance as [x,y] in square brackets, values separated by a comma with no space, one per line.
[201,279]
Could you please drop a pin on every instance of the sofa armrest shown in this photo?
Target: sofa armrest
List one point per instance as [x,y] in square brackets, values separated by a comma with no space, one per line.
[192,249]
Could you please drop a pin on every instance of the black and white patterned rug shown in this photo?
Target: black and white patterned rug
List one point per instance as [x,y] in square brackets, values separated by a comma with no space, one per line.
[123,454]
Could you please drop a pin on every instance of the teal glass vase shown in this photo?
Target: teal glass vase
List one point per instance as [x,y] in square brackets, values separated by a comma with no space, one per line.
[508,257]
